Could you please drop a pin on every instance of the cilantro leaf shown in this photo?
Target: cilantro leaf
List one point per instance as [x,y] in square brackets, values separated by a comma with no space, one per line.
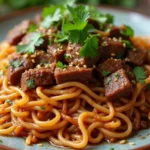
[108,80]
[36,40]
[30,83]
[32,28]
[6,67]
[66,56]
[1,73]
[148,86]
[128,44]
[16,63]
[1,141]
[140,74]
[128,31]
[50,19]
[10,102]
[48,11]
[89,49]
[61,65]
[105,73]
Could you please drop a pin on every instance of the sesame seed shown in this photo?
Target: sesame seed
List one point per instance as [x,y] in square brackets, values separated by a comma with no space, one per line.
[40,144]
[114,39]
[134,49]
[148,134]
[84,66]
[142,137]
[115,80]
[131,143]
[94,66]
[33,60]
[77,67]
[123,142]
[127,59]
[38,66]
[69,48]
[113,54]
[124,45]
[25,56]
[77,53]
[122,84]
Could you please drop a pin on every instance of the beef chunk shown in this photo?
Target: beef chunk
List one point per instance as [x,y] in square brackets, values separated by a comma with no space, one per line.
[36,77]
[137,56]
[116,32]
[112,48]
[73,74]
[18,65]
[27,39]
[16,34]
[74,58]
[57,51]
[111,65]
[117,85]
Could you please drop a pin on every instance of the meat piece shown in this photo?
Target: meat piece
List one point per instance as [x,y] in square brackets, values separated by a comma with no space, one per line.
[137,56]
[110,65]
[36,77]
[15,35]
[116,32]
[57,51]
[112,48]
[28,37]
[74,58]
[73,74]
[117,85]
[18,65]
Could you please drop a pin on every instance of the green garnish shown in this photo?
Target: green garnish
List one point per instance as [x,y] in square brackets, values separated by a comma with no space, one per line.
[117,75]
[1,141]
[89,49]
[1,73]
[111,149]
[45,62]
[105,73]
[36,40]
[61,65]
[10,102]
[128,44]
[140,74]
[32,28]
[108,80]
[16,63]
[6,67]
[66,56]
[42,107]
[30,83]
[128,31]
[148,86]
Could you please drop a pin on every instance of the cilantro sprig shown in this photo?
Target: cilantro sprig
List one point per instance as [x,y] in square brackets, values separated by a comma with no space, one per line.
[30,83]
[105,73]
[36,40]
[128,44]
[140,74]
[16,63]
[128,31]
[61,65]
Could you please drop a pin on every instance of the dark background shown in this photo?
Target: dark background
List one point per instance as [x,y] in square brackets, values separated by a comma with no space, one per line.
[142,6]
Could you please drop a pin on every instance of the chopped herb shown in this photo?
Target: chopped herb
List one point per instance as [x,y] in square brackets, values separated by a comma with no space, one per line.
[89,49]
[105,73]
[128,44]
[16,63]
[140,74]
[108,80]
[6,67]
[50,42]
[66,56]
[32,28]
[44,63]
[30,83]
[42,107]
[10,102]
[1,73]
[111,149]
[128,31]
[117,75]
[148,86]
[50,19]
[36,40]
[61,65]
[1,141]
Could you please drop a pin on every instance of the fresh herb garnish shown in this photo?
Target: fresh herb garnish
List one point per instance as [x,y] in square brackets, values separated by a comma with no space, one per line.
[116,75]
[45,62]
[16,63]
[42,107]
[6,67]
[10,102]
[67,56]
[1,73]
[61,65]
[111,149]
[140,74]
[32,28]
[105,73]
[128,44]
[108,80]
[36,40]
[148,86]
[30,83]
[89,49]
[128,31]
[1,141]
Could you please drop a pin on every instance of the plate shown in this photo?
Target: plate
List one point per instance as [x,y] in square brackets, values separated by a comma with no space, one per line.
[140,24]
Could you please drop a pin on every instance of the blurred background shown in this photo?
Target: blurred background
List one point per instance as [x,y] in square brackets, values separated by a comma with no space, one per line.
[142,6]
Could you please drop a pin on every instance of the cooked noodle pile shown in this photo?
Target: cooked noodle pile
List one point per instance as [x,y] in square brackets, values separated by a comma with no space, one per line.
[70,114]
